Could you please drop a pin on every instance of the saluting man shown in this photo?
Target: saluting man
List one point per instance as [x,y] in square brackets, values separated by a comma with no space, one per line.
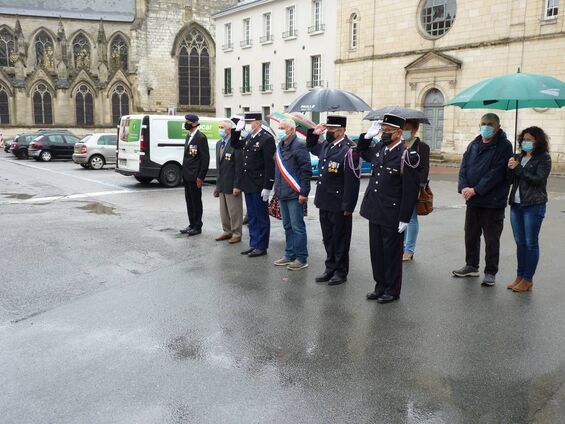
[195,164]
[256,179]
[388,203]
[336,194]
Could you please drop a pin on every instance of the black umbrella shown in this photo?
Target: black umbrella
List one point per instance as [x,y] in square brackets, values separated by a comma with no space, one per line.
[328,100]
[398,111]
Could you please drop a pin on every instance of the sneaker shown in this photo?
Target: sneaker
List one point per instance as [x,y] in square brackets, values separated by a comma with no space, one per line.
[297,265]
[488,280]
[466,271]
[282,261]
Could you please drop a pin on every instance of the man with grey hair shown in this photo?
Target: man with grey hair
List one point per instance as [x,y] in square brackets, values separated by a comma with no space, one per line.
[228,164]
[484,187]
[293,172]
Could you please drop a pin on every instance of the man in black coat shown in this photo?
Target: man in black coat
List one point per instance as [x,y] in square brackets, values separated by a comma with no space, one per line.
[390,199]
[483,185]
[337,191]
[195,163]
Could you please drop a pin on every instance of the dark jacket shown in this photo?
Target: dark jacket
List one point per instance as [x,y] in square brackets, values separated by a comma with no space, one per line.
[297,161]
[532,180]
[258,170]
[338,187]
[196,159]
[229,167]
[423,151]
[484,169]
[392,192]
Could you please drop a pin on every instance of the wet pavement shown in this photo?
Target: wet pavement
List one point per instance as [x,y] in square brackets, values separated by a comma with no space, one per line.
[108,315]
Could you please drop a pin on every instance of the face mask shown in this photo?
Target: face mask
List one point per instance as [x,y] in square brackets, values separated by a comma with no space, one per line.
[282,135]
[244,133]
[249,129]
[222,133]
[406,135]
[486,131]
[527,146]
[330,136]
[386,138]
[187,127]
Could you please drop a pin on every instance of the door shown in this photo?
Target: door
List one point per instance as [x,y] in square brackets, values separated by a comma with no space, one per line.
[433,108]
[70,145]
[57,145]
[109,148]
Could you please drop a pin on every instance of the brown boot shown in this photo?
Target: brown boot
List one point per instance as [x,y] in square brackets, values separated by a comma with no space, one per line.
[224,236]
[523,286]
[234,240]
[514,283]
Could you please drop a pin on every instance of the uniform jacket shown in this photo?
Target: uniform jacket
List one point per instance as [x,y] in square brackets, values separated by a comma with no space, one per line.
[258,170]
[423,151]
[484,169]
[297,160]
[532,179]
[390,196]
[337,187]
[196,159]
[229,167]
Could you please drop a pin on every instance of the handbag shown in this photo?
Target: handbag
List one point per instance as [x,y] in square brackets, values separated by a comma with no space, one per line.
[274,207]
[425,204]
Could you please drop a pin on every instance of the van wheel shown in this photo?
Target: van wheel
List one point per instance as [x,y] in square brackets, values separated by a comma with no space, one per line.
[170,175]
[96,162]
[144,180]
[45,156]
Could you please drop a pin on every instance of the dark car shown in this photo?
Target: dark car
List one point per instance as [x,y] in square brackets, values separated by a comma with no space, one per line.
[48,146]
[7,145]
[20,144]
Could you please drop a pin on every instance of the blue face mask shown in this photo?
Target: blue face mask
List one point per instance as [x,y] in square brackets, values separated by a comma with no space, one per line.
[487,131]
[282,135]
[222,133]
[527,146]
[406,135]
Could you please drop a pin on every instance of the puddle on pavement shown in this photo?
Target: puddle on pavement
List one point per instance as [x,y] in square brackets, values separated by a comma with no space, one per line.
[98,208]
[19,196]
[183,348]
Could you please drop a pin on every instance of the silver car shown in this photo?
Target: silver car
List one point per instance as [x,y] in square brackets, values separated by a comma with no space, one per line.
[95,150]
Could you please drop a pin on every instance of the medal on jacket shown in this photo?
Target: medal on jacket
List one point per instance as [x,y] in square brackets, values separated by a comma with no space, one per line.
[193,150]
[333,167]
[227,156]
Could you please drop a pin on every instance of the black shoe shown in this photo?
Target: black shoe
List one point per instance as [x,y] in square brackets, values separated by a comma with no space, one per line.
[336,280]
[257,252]
[324,278]
[194,232]
[248,251]
[185,230]
[386,298]
[373,295]
[245,220]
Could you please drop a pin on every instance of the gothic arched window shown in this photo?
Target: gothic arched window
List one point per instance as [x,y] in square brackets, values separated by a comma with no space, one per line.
[194,70]
[6,47]
[119,53]
[42,107]
[81,51]
[44,50]
[84,106]
[4,109]
[120,103]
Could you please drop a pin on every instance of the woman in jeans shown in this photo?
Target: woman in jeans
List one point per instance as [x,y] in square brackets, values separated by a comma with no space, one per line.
[411,142]
[528,172]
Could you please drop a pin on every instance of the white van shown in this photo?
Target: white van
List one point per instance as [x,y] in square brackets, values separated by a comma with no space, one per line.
[152,146]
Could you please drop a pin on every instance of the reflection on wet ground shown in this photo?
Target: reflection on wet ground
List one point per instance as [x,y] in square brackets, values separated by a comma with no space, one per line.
[98,209]
[18,196]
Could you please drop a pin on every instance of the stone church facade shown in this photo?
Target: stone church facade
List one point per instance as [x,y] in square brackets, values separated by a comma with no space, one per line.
[86,73]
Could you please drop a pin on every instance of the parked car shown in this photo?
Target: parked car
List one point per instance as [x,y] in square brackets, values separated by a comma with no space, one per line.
[20,145]
[48,146]
[95,150]
[7,145]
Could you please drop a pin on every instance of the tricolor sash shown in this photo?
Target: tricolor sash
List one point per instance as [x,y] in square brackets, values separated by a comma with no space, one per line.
[285,172]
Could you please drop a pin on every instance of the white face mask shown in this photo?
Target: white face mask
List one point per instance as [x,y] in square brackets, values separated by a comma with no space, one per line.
[249,128]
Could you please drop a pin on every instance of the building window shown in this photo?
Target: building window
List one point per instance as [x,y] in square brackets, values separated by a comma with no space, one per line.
[4,108]
[289,75]
[266,112]
[6,48]
[437,16]
[84,106]
[290,23]
[246,42]
[245,109]
[266,77]
[120,103]
[44,50]
[315,71]
[551,9]
[228,45]
[119,53]
[194,70]
[245,83]
[42,107]
[227,81]
[317,25]
[354,31]
[267,32]
[227,112]
[81,51]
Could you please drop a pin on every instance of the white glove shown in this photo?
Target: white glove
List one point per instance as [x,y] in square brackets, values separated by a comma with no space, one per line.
[402,227]
[240,125]
[265,194]
[374,130]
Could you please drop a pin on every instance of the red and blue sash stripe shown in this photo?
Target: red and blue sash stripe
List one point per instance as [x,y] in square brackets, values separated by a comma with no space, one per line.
[286,174]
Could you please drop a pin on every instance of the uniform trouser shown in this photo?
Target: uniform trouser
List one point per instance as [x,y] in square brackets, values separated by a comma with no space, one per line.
[386,246]
[259,223]
[193,198]
[231,213]
[489,222]
[336,233]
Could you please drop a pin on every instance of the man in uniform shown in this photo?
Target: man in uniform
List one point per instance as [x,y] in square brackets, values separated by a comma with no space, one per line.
[256,179]
[195,163]
[390,199]
[336,194]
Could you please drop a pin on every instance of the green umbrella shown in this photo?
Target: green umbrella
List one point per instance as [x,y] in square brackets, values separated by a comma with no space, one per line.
[515,91]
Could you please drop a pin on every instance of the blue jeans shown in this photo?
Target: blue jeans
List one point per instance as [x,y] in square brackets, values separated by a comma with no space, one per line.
[259,224]
[526,226]
[292,214]
[411,234]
